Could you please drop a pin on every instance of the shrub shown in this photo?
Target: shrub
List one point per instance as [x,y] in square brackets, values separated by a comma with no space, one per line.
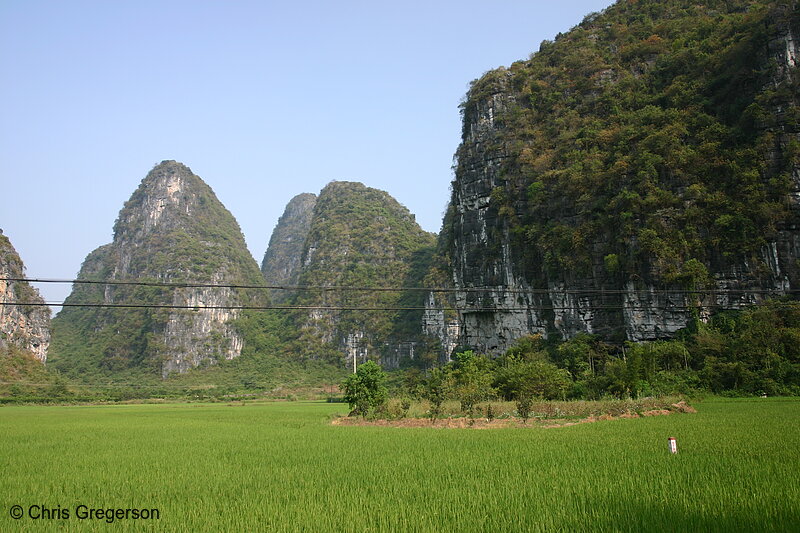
[366,389]
[436,390]
[472,376]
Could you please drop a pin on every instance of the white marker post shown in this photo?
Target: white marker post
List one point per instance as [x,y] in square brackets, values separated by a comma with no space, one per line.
[673,445]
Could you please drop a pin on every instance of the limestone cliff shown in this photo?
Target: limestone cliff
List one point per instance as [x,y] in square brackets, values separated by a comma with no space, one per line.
[441,321]
[640,171]
[24,326]
[361,238]
[281,264]
[172,230]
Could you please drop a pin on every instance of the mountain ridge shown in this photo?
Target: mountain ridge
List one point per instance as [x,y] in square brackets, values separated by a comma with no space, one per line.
[360,237]
[172,229]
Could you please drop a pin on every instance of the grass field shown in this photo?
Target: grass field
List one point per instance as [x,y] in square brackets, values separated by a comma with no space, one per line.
[283,467]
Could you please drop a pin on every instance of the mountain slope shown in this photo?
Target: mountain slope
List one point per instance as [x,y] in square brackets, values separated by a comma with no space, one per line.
[23,327]
[650,152]
[361,238]
[281,264]
[172,230]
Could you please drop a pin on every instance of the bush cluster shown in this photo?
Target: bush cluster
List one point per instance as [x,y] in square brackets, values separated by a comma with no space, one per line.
[750,352]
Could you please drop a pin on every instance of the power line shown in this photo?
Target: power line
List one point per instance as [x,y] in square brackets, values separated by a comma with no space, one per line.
[199,307]
[400,289]
[187,284]
[467,310]
[116,384]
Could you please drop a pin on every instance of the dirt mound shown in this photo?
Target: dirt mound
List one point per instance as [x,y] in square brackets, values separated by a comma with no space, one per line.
[483,423]
[683,407]
[442,423]
[657,412]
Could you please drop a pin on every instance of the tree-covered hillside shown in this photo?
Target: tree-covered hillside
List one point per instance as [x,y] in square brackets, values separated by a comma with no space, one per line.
[660,135]
[639,171]
[362,238]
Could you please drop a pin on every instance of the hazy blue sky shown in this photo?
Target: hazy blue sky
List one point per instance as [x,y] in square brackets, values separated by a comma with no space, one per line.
[263,100]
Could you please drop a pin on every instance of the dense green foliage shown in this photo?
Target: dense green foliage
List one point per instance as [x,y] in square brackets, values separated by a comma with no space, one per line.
[751,352]
[471,381]
[650,138]
[283,467]
[365,390]
[523,374]
[24,378]
[263,375]
[362,238]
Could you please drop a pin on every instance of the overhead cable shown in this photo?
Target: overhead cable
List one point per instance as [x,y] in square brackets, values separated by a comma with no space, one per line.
[467,309]
[342,288]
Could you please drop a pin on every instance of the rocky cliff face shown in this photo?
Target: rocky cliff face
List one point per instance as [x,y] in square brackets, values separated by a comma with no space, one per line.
[281,264]
[172,230]
[361,238]
[27,327]
[441,325]
[615,185]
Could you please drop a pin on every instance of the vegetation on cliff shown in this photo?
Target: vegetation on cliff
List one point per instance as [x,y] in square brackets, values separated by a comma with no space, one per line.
[364,239]
[281,264]
[750,352]
[174,230]
[27,326]
[655,137]
[11,266]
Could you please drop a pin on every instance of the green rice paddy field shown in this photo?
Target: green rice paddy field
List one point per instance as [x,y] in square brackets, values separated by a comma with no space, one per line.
[284,467]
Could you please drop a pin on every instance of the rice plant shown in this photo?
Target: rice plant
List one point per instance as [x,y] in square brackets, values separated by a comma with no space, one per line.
[284,467]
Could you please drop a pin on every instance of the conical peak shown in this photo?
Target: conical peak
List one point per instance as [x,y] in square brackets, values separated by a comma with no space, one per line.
[347,197]
[344,186]
[299,206]
[174,227]
[168,177]
[281,262]
[170,165]
[169,192]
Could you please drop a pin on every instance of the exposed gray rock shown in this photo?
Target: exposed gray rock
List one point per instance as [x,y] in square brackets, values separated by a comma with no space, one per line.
[282,260]
[173,229]
[27,327]
[498,301]
[361,238]
[438,324]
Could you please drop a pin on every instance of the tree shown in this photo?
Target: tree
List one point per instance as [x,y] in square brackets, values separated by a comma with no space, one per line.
[533,379]
[437,389]
[365,389]
[524,372]
[472,375]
